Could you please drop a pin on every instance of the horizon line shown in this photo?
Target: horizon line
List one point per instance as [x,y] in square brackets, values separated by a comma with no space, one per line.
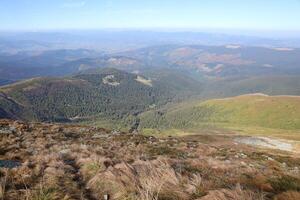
[261,33]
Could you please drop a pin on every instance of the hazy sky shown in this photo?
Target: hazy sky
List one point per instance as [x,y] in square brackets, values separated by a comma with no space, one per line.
[97,14]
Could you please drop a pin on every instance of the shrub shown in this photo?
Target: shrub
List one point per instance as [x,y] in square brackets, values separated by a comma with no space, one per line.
[285,183]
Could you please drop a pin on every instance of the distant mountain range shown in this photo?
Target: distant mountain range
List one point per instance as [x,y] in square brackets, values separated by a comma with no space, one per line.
[228,60]
[209,61]
[65,77]
[120,40]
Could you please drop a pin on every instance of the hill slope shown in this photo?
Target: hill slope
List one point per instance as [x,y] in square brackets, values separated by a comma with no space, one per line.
[81,162]
[100,93]
[257,110]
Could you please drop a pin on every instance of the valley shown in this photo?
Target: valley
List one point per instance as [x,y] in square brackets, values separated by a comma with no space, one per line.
[155,122]
[149,100]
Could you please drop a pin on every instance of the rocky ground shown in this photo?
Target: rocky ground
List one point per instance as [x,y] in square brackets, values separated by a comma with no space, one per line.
[49,161]
[270,143]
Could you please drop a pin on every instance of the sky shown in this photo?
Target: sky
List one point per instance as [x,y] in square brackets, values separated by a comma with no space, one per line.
[280,15]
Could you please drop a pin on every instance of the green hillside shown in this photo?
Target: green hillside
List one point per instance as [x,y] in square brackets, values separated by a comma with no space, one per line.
[107,96]
[257,110]
[104,94]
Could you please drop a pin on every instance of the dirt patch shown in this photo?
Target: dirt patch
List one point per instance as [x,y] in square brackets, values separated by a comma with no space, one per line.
[266,142]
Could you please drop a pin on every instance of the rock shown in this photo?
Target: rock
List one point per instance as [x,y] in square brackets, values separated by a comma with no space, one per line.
[106,197]
[243,155]
[227,161]
[251,165]
[295,170]
[7,130]
[64,153]
[99,136]
[115,132]
[269,158]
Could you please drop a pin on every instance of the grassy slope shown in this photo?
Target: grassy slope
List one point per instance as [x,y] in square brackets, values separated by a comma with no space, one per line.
[258,110]
[249,113]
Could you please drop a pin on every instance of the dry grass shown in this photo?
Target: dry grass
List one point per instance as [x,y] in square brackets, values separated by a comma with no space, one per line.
[235,194]
[43,193]
[76,162]
[291,195]
[92,165]
[3,181]
[158,180]
[142,180]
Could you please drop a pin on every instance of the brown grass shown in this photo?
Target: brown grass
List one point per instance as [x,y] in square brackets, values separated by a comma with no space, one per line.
[291,195]
[3,181]
[68,162]
[235,194]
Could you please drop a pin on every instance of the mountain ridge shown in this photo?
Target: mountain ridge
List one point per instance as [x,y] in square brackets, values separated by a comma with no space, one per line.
[105,92]
[253,110]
